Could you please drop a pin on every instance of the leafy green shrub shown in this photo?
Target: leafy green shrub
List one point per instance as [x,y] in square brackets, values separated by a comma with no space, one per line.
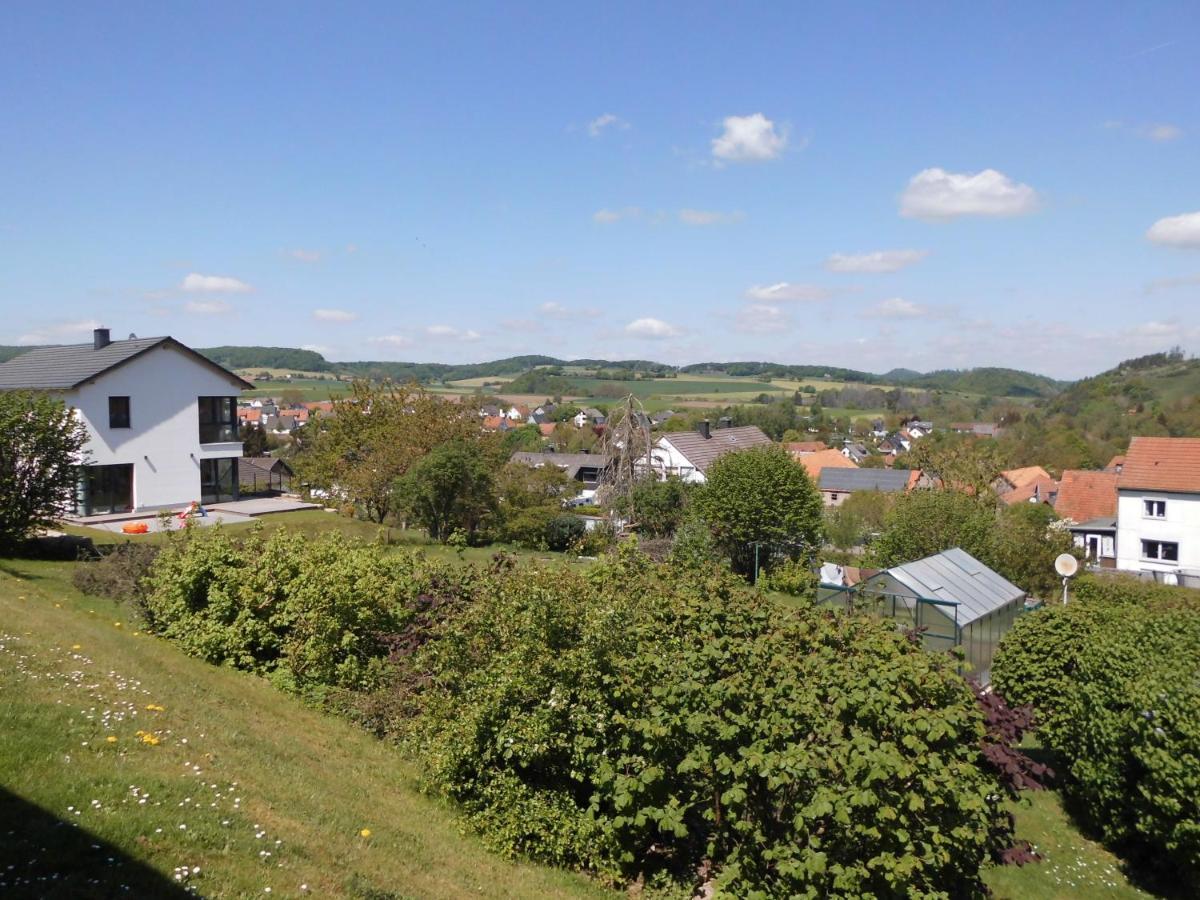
[119,574]
[563,530]
[634,722]
[310,613]
[1131,730]
[693,545]
[792,577]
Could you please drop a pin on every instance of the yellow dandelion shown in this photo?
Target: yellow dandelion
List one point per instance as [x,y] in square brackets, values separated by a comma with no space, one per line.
[58,606]
[366,832]
[111,739]
[154,707]
[76,646]
[117,625]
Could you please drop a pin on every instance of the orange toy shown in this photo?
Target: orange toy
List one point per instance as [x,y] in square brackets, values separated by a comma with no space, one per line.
[135,528]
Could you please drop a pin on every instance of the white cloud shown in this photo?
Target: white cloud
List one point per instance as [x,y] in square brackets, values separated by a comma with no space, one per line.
[1177,231]
[897,308]
[709,217]
[334,315]
[596,127]
[936,194]
[450,333]
[876,261]
[214,284]
[748,139]
[761,318]
[652,329]
[784,291]
[309,256]
[1163,132]
[554,310]
[51,333]
[207,307]
[608,216]
[1154,329]
[391,340]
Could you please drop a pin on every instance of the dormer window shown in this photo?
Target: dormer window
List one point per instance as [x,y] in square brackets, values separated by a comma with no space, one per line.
[118,412]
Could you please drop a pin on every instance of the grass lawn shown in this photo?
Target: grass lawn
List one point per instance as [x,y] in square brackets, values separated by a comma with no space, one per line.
[315,522]
[238,781]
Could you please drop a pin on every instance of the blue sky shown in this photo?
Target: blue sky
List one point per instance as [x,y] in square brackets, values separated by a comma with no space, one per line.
[871,185]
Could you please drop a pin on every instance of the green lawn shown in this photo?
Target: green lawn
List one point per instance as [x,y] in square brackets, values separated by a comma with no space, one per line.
[245,784]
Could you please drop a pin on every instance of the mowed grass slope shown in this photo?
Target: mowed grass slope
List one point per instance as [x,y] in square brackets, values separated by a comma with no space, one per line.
[236,778]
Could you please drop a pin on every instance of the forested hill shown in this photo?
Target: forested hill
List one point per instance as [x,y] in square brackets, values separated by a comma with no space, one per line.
[1161,383]
[994,382]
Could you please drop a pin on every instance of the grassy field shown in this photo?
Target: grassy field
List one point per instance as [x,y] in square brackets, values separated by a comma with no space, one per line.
[248,789]
[307,389]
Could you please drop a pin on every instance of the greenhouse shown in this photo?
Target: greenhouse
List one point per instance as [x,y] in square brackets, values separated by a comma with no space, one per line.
[955,599]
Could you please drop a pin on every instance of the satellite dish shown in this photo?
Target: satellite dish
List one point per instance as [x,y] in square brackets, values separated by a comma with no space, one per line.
[1066,565]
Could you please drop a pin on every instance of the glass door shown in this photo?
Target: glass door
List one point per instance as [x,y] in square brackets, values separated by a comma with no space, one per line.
[105,490]
[218,479]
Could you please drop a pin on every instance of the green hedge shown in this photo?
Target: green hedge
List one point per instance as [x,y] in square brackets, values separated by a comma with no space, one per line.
[637,723]
[310,613]
[1115,679]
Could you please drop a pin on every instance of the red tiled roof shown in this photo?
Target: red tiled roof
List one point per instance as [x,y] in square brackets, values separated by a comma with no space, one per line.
[1162,464]
[492,423]
[1084,495]
[1038,488]
[825,459]
[1115,463]
[1019,478]
[250,415]
[546,428]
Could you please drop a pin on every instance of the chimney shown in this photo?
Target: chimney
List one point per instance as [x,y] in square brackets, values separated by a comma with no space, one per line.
[100,339]
[725,422]
[704,429]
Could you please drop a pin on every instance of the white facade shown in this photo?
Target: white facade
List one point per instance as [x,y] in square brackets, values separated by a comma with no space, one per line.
[667,461]
[1153,526]
[162,442]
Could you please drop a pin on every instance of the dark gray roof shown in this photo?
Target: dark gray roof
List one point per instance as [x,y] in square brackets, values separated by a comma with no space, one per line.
[265,464]
[850,480]
[70,365]
[703,451]
[570,463]
[956,576]
[1104,523]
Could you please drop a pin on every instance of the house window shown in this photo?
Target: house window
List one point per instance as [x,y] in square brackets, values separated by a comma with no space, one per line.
[218,420]
[833,495]
[102,490]
[1164,551]
[218,480]
[118,412]
[1154,509]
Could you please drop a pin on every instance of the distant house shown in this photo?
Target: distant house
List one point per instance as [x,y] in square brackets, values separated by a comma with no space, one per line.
[955,599]
[894,444]
[1087,502]
[660,418]
[546,429]
[489,410]
[838,484]
[815,463]
[919,428]
[1158,509]
[688,454]
[803,448]
[855,452]
[1031,484]
[978,429]
[879,429]
[161,419]
[586,468]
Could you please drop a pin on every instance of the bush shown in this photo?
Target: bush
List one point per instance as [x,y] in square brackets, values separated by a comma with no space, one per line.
[1112,677]
[792,577]
[1131,730]
[563,531]
[119,574]
[637,723]
[310,613]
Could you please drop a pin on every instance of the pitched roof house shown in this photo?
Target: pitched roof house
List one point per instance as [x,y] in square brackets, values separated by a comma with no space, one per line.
[1087,500]
[161,419]
[814,463]
[1031,484]
[838,484]
[587,468]
[688,454]
[1158,509]
[801,448]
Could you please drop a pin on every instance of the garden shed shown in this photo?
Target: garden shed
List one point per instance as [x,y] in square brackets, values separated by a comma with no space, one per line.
[952,596]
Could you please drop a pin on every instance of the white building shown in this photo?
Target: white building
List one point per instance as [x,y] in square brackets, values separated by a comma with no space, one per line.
[1158,509]
[161,420]
[688,454]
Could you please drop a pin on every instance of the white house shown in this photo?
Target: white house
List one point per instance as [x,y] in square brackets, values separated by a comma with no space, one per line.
[161,420]
[1158,509]
[688,454]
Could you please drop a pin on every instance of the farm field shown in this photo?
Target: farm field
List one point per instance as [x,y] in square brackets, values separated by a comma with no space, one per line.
[308,389]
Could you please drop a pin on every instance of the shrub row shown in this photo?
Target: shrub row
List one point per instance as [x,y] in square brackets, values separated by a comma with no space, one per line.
[642,724]
[1115,680]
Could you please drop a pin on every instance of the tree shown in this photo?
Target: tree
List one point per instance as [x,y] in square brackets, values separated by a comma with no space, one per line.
[656,506]
[448,489]
[859,517]
[761,496]
[1025,545]
[960,461]
[373,437]
[41,446]
[254,439]
[528,499]
[924,522]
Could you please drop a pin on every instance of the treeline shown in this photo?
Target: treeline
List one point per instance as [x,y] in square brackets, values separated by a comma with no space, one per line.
[268,358]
